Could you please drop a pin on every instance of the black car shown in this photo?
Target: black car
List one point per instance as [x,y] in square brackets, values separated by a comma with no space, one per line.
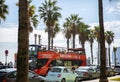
[9,75]
[4,66]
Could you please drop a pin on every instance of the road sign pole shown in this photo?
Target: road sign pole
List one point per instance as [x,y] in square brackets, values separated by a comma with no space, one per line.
[6,54]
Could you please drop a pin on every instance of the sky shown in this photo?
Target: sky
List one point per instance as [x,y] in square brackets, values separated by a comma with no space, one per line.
[86,9]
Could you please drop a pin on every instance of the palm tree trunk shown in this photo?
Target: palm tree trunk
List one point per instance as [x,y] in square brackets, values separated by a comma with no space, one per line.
[115,58]
[109,55]
[83,46]
[115,49]
[91,45]
[98,55]
[74,36]
[48,38]
[52,40]
[23,42]
[67,44]
[103,77]
[73,40]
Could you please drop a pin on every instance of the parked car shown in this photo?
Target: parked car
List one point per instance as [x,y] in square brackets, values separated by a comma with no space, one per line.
[110,71]
[61,74]
[87,72]
[96,67]
[4,66]
[117,69]
[9,75]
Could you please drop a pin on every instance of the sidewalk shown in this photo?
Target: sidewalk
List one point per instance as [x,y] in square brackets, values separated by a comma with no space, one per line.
[97,80]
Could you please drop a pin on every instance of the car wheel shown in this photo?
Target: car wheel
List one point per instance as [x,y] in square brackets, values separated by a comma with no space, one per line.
[76,79]
[42,81]
[63,80]
[108,75]
[90,77]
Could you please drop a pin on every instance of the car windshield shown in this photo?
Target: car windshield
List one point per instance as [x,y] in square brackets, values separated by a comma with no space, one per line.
[55,70]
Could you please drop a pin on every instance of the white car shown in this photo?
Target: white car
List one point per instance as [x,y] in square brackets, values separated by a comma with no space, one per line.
[61,74]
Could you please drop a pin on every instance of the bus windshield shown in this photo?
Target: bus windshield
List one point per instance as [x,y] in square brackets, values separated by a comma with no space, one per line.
[33,50]
[37,63]
[41,62]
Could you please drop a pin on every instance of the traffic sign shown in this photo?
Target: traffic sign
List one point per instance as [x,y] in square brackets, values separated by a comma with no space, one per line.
[6,52]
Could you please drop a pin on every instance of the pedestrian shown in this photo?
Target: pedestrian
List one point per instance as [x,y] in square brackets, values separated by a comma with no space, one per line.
[1,63]
[73,69]
[10,64]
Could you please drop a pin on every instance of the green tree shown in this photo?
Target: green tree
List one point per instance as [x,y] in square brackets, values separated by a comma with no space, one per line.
[23,42]
[49,13]
[67,33]
[83,33]
[73,22]
[91,38]
[3,10]
[103,76]
[109,37]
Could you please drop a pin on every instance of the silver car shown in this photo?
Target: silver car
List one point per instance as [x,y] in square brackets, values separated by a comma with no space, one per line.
[110,71]
[9,75]
[86,72]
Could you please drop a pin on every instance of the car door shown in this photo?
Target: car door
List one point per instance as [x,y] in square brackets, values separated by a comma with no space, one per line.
[66,74]
[11,77]
[32,77]
[72,75]
[91,72]
[94,73]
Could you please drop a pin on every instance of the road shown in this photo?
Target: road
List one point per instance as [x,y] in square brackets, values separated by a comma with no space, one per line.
[97,80]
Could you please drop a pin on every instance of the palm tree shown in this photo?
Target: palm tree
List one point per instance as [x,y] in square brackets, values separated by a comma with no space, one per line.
[114,50]
[66,32]
[103,76]
[73,22]
[97,36]
[54,31]
[33,21]
[83,33]
[91,38]
[3,10]
[109,37]
[23,42]
[49,13]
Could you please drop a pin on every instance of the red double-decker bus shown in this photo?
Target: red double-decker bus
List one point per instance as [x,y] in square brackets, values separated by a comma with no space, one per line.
[41,59]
